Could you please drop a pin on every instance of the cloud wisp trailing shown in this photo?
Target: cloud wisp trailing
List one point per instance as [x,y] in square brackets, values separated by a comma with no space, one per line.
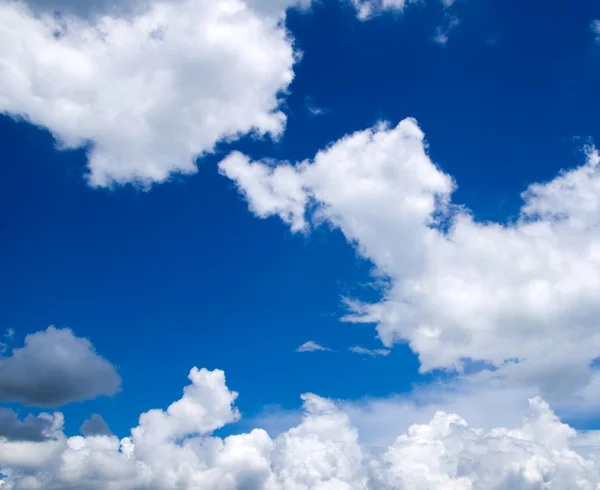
[357,349]
[312,346]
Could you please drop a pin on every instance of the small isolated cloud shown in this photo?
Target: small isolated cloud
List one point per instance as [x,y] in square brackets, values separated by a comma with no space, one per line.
[33,429]
[443,32]
[366,9]
[596,29]
[95,426]
[311,346]
[369,352]
[10,333]
[55,368]
[313,108]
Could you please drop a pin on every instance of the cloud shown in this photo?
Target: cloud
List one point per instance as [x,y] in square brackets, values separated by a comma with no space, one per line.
[521,298]
[54,368]
[442,33]
[596,29]
[366,9]
[147,93]
[128,8]
[313,108]
[176,449]
[311,346]
[33,429]
[369,352]
[95,426]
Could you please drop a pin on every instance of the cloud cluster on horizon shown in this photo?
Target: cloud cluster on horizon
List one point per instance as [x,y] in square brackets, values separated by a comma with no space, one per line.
[176,449]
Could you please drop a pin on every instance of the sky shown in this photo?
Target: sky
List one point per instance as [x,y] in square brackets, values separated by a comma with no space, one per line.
[292,245]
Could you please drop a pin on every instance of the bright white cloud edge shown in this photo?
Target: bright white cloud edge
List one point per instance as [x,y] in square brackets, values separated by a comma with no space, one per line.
[175,449]
[312,346]
[527,291]
[148,93]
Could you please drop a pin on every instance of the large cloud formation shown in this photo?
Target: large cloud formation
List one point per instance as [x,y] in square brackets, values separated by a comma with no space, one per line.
[522,297]
[54,368]
[175,449]
[150,91]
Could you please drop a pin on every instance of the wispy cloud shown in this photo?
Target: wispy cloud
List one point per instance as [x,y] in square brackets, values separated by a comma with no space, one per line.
[443,32]
[596,29]
[369,352]
[313,108]
[312,346]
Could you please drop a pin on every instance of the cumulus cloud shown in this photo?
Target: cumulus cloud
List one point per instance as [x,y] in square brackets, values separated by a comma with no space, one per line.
[176,449]
[95,426]
[54,368]
[312,346]
[33,428]
[148,93]
[357,349]
[523,298]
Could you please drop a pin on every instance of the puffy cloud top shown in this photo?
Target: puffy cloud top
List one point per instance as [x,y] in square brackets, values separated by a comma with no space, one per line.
[148,92]
[506,294]
[175,449]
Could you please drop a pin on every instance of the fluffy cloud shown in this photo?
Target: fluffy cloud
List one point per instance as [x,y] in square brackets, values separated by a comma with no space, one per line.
[312,346]
[175,449]
[54,368]
[523,298]
[596,29]
[149,92]
[34,429]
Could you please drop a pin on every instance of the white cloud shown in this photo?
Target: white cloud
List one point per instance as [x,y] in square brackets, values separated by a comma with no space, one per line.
[369,352]
[523,297]
[368,9]
[175,449]
[149,92]
[365,9]
[312,346]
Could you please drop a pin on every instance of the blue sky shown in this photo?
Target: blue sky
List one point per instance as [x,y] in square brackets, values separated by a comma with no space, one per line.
[178,272]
